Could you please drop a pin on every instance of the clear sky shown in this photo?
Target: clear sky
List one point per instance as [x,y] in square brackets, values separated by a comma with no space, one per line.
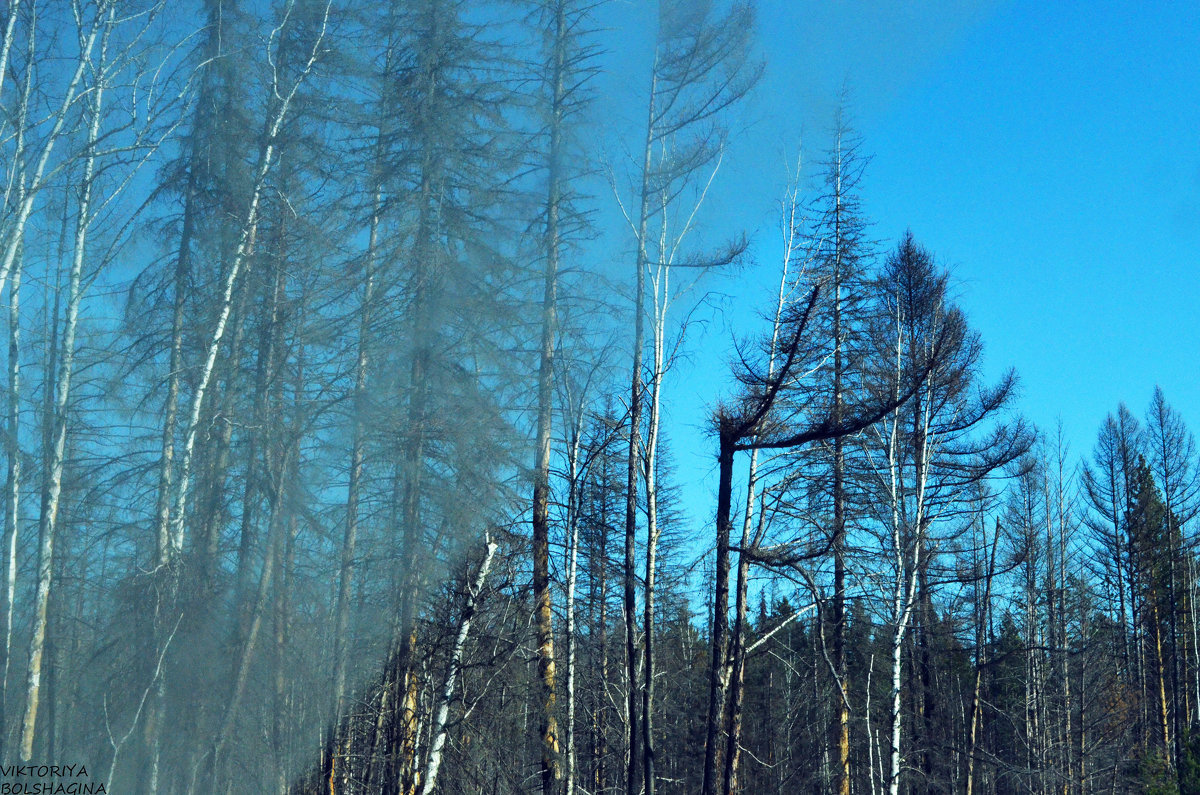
[1049,153]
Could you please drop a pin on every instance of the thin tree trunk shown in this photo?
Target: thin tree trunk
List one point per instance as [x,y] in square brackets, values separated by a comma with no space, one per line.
[1195,628]
[10,28]
[633,782]
[280,526]
[1083,722]
[601,723]
[279,732]
[1051,766]
[1064,656]
[839,499]
[980,637]
[349,539]
[720,617]
[736,659]
[1161,673]
[402,739]
[650,466]
[242,671]
[905,600]
[62,390]
[871,747]
[12,514]
[166,469]
[551,772]
[276,116]
[909,589]
[792,212]
[16,232]
[171,406]
[573,508]
[452,668]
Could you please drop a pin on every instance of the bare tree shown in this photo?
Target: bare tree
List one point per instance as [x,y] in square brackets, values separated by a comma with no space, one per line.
[565,77]
[12,492]
[701,67]
[429,779]
[792,276]
[1172,453]
[930,454]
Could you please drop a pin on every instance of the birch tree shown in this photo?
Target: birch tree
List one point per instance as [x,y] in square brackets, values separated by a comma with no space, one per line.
[929,454]
[282,91]
[793,273]
[12,492]
[701,67]
[103,58]
[452,670]
[283,87]
[41,140]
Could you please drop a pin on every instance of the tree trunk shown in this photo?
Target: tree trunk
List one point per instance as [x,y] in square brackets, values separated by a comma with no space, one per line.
[30,189]
[274,551]
[1160,671]
[452,668]
[48,523]
[12,491]
[551,772]
[650,467]
[736,659]
[401,735]
[573,510]
[166,469]
[839,495]
[600,779]
[982,614]
[12,513]
[341,641]
[276,116]
[633,781]
[720,617]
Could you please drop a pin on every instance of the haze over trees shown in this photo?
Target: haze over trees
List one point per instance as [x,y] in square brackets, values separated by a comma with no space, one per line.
[343,348]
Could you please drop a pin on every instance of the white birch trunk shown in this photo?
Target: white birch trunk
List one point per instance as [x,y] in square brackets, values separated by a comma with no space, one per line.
[661,302]
[572,573]
[668,246]
[275,120]
[12,512]
[10,28]
[870,745]
[62,390]
[443,708]
[735,673]
[16,233]
[906,559]
[13,485]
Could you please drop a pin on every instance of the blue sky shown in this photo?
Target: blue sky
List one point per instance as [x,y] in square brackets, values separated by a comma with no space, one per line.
[1053,159]
[1048,153]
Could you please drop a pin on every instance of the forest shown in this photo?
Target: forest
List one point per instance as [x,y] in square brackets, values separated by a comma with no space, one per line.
[343,342]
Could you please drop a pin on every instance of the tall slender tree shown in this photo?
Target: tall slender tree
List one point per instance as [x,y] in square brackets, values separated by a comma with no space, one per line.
[564,77]
[701,66]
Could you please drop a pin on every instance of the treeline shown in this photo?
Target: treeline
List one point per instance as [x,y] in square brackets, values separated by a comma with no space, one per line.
[336,452]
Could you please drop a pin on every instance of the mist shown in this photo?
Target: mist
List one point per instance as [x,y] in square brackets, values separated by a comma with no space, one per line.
[544,396]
